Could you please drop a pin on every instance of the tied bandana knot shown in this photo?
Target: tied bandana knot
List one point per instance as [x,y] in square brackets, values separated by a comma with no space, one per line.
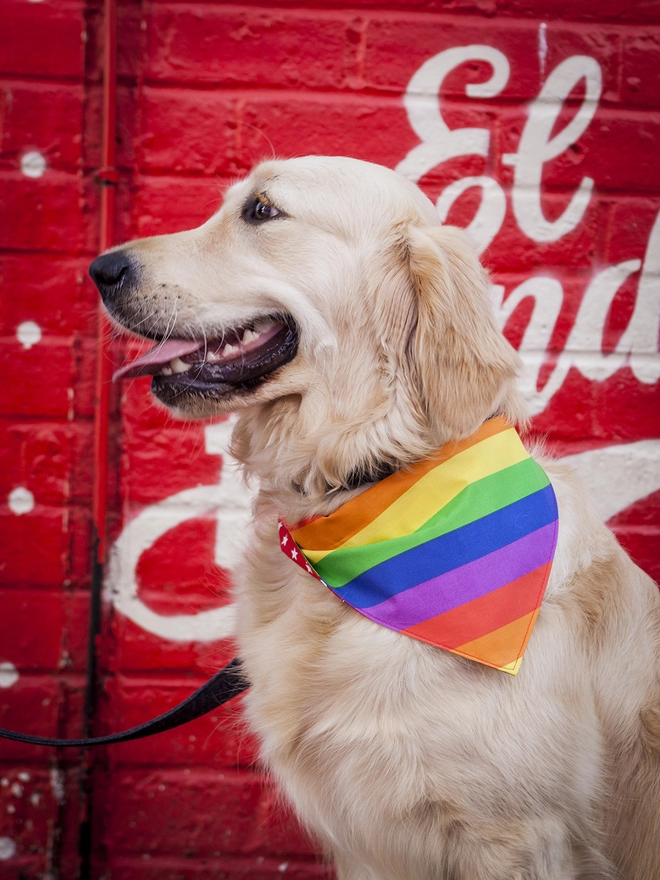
[455,552]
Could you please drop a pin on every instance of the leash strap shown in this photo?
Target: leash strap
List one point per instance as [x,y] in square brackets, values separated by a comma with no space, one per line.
[224,686]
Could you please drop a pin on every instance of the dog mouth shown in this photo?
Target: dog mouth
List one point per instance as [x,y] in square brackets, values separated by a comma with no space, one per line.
[240,360]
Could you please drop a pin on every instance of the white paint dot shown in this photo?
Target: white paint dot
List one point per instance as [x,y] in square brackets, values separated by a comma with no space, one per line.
[7,848]
[57,785]
[33,164]
[24,777]
[28,334]
[8,677]
[21,500]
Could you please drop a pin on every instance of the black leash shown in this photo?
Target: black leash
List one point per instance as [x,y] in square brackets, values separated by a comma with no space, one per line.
[224,686]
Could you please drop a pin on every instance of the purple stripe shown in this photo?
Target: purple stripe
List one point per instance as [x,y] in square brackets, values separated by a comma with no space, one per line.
[465,583]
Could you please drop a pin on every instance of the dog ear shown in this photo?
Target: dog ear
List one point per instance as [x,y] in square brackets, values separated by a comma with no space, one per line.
[463,366]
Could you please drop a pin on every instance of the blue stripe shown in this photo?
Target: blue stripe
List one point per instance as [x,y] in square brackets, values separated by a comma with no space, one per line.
[449,551]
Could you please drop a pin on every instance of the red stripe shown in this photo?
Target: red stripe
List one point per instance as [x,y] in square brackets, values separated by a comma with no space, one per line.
[486,614]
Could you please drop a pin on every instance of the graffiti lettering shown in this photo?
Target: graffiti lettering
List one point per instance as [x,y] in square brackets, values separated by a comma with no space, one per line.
[638,346]
[537,147]
[229,501]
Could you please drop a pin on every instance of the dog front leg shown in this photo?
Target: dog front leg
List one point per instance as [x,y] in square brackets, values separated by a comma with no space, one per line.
[545,849]
[542,849]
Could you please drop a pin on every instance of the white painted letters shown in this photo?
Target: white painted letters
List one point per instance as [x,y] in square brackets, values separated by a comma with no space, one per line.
[421,101]
[638,346]
[537,147]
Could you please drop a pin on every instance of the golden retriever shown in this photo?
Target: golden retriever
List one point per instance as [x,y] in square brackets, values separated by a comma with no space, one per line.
[354,334]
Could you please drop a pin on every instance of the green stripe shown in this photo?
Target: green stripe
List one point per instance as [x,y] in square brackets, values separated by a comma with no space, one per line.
[477,500]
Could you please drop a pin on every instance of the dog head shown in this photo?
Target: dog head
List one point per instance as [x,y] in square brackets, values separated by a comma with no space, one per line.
[325,299]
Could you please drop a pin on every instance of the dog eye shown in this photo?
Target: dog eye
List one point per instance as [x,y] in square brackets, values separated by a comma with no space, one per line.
[256,211]
[264,212]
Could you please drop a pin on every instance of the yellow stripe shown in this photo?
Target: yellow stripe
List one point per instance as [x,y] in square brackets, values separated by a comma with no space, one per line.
[436,489]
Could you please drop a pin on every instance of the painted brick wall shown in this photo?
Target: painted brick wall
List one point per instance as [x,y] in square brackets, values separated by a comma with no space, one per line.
[535,124]
[49,230]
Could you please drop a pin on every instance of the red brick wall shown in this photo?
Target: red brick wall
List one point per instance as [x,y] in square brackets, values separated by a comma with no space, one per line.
[49,230]
[205,90]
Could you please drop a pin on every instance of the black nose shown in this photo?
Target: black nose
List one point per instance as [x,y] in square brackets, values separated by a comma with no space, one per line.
[112,273]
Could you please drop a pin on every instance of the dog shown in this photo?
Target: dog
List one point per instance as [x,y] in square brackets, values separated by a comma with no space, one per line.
[354,336]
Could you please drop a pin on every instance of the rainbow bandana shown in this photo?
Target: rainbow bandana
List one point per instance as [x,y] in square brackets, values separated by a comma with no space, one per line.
[456,551]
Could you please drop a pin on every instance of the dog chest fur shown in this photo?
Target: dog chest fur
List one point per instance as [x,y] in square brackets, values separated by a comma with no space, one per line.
[440,758]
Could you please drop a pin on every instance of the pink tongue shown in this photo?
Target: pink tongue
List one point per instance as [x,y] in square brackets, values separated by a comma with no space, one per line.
[161,354]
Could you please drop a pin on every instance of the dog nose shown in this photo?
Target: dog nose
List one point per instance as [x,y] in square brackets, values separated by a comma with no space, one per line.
[111,273]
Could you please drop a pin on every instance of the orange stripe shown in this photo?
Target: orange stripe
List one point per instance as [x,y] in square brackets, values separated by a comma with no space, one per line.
[303,522]
[484,615]
[330,532]
[503,646]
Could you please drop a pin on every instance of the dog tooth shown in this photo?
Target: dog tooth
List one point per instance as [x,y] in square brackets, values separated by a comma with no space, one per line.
[166,370]
[229,349]
[178,366]
[249,336]
[264,325]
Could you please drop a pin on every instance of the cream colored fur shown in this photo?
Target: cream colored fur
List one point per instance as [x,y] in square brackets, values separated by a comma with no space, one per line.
[406,762]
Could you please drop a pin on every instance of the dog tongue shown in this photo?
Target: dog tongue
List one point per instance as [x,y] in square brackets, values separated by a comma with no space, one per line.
[161,354]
